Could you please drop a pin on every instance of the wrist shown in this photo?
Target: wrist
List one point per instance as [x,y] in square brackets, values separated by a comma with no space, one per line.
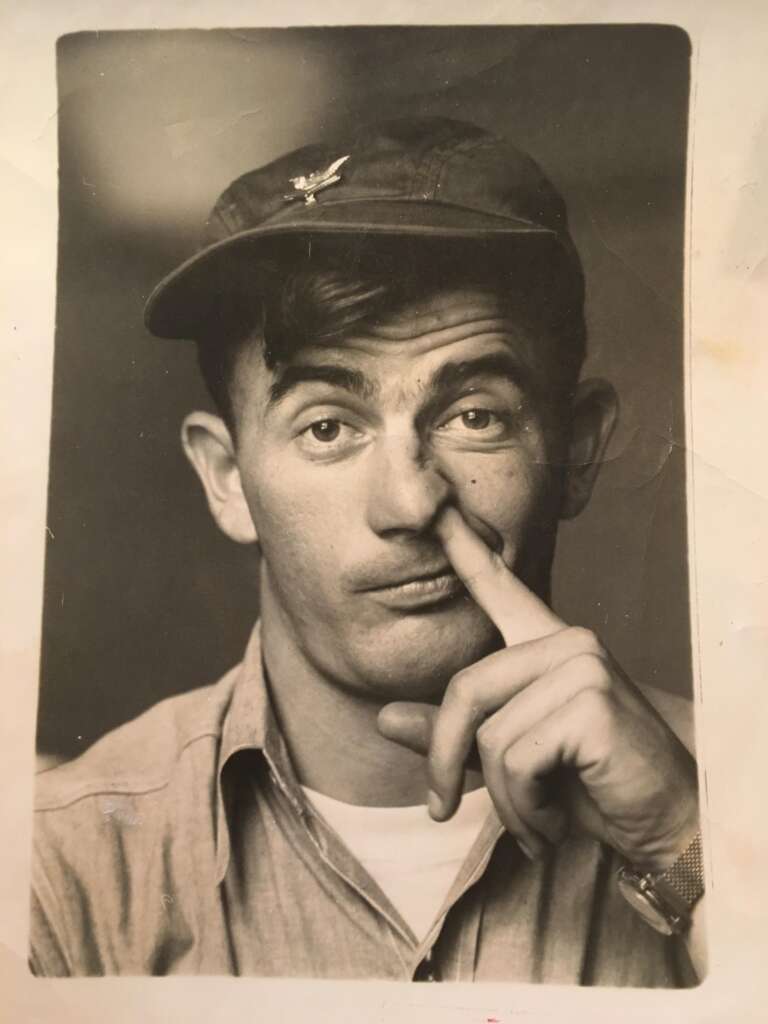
[661,856]
[667,839]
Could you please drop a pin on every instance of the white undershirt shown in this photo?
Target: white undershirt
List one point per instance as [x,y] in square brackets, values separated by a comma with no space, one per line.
[413,859]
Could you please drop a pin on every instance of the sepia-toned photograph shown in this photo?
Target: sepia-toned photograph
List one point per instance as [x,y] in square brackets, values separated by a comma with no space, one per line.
[366,639]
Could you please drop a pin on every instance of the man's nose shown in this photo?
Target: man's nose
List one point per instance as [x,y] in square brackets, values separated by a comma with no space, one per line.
[407,487]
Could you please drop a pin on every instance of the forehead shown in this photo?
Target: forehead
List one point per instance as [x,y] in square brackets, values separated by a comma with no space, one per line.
[439,320]
[415,337]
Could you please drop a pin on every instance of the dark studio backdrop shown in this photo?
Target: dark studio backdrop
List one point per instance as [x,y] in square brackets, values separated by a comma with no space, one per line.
[143,597]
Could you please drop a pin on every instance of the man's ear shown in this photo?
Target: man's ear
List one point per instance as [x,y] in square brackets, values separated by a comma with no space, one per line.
[209,447]
[593,416]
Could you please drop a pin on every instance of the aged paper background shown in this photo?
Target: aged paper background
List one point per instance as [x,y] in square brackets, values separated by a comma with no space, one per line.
[727,376]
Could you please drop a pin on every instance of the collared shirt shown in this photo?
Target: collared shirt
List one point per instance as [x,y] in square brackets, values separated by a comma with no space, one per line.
[183,843]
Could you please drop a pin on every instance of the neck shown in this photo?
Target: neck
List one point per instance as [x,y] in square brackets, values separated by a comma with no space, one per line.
[331,732]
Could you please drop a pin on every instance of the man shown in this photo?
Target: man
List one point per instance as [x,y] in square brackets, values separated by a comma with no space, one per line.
[393,331]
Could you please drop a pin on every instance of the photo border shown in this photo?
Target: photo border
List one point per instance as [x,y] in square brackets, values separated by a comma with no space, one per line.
[726,361]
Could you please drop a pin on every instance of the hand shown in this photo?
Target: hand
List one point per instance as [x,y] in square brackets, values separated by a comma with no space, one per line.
[564,740]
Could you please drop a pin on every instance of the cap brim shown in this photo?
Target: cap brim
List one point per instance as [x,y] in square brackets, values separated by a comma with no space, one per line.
[184,298]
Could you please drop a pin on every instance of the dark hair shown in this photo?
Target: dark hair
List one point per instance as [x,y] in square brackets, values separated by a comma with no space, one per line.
[319,292]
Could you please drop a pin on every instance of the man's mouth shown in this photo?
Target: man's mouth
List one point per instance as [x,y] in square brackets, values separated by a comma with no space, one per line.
[419,591]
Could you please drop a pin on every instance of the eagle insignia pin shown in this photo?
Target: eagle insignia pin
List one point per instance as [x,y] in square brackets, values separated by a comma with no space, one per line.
[306,185]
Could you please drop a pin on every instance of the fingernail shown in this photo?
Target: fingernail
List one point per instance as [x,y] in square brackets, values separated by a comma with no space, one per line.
[434,805]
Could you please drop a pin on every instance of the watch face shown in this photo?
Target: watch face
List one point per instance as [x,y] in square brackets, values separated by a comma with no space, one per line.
[639,900]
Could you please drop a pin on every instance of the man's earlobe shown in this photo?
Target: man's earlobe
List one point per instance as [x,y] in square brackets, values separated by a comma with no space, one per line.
[594,414]
[209,447]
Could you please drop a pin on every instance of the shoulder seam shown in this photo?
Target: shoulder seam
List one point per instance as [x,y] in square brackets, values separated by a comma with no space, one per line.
[119,787]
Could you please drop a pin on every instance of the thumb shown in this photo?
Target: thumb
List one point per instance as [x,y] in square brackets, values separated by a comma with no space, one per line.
[409,724]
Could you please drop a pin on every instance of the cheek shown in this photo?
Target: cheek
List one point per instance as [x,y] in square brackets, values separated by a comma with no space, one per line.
[500,494]
[299,526]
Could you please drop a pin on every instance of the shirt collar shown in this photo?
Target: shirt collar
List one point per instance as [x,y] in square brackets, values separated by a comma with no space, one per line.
[250,724]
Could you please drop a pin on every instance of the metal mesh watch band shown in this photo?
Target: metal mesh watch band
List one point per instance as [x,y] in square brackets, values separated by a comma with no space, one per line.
[686,876]
[683,881]
[665,900]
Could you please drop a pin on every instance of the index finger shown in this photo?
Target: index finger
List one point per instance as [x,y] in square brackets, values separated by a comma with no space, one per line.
[517,612]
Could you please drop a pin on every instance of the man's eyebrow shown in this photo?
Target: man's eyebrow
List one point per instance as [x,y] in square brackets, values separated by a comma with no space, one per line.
[452,376]
[294,374]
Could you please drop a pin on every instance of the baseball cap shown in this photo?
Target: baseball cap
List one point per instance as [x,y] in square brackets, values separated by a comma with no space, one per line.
[416,177]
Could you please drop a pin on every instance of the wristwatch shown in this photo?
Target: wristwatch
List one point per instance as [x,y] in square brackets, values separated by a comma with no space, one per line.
[665,900]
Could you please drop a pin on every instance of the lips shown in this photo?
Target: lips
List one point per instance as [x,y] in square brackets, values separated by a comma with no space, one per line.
[413,591]
[397,577]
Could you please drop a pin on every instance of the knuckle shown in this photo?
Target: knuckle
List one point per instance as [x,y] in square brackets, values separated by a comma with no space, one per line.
[585,641]
[461,691]
[597,706]
[459,684]
[486,740]
[513,767]
[594,672]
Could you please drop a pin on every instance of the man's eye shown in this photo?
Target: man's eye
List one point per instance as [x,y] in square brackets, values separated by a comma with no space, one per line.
[328,436]
[478,421]
[325,430]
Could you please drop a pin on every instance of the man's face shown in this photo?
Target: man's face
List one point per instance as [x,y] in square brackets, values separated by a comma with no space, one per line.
[348,453]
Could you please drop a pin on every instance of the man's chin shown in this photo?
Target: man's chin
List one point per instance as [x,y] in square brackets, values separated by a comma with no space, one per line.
[415,656]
